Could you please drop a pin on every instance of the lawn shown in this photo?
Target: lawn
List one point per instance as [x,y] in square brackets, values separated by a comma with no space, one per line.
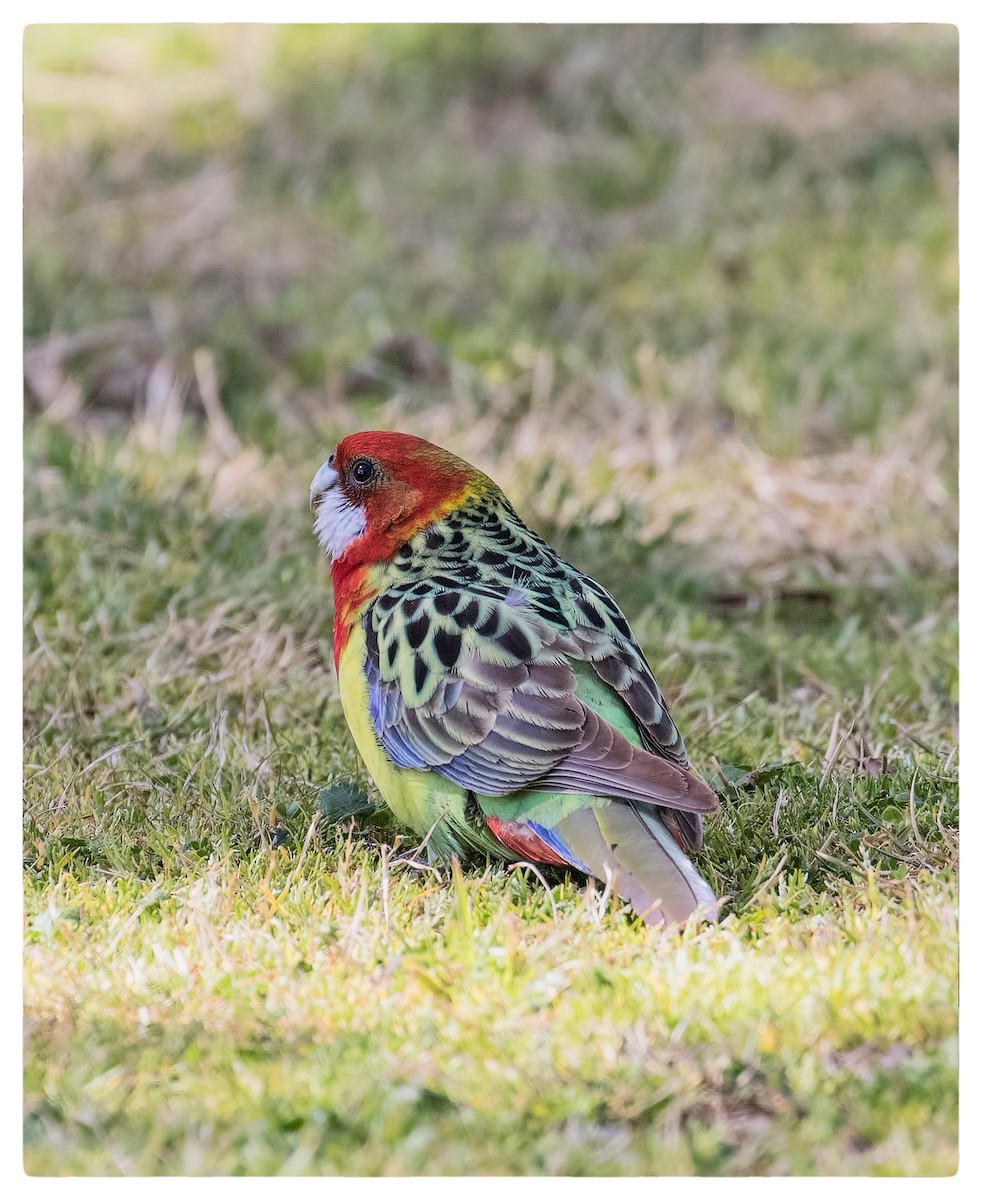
[689,295]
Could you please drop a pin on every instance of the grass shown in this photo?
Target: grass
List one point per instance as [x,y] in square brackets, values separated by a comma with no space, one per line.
[688,295]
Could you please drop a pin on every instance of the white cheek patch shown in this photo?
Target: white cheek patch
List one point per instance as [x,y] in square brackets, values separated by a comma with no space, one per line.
[338,522]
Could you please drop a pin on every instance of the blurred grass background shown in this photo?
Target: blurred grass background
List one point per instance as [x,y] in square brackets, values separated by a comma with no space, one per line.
[689,294]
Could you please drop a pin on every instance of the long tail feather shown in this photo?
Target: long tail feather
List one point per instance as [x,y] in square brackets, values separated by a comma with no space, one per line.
[648,868]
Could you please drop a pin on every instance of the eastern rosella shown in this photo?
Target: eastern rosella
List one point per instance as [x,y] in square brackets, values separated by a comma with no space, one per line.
[495,693]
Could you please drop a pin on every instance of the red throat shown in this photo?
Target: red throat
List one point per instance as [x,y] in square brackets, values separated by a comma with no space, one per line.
[353,589]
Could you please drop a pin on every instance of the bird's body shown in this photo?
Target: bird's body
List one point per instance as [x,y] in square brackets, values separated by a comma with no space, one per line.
[495,693]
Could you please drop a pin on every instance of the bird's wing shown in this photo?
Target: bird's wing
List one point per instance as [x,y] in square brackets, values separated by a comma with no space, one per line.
[604,639]
[475,685]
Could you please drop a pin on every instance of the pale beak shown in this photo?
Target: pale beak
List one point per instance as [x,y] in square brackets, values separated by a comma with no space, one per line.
[325,479]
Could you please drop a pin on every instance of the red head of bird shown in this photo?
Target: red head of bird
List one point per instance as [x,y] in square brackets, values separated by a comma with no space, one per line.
[371,495]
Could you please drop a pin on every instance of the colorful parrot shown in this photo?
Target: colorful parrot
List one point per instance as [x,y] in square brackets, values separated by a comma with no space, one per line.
[495,693]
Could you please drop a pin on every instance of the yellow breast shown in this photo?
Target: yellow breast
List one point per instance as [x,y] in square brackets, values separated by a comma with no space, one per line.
[418,798]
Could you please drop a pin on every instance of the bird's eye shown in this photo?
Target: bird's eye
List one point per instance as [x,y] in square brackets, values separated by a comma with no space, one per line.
[362,470]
